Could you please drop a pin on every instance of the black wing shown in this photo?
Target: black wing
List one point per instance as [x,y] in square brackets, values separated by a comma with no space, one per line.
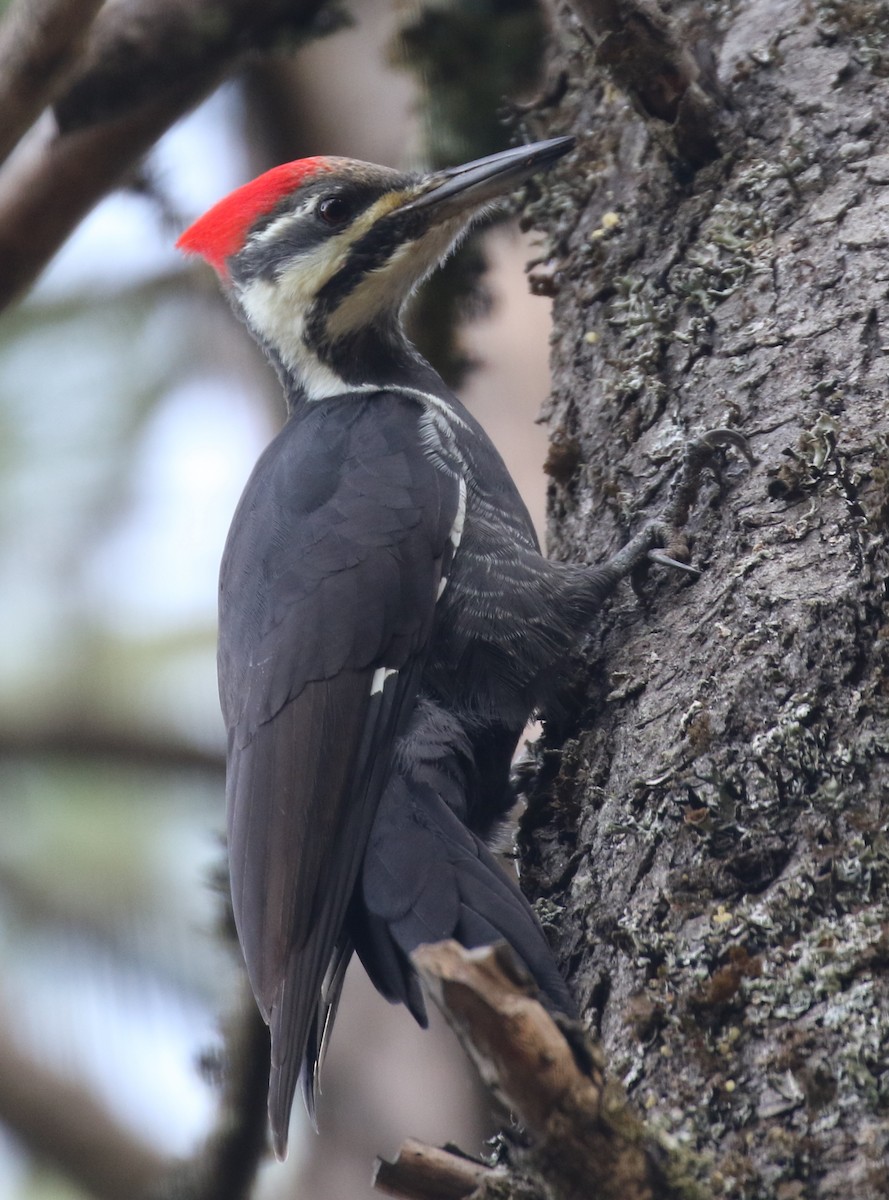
[327,592]
[427,877]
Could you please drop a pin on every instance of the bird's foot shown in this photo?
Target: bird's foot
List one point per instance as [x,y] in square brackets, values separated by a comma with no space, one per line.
[663,559]
[661,540]
[700,454]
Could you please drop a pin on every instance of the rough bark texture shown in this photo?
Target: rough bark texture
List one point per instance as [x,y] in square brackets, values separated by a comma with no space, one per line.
[706,832]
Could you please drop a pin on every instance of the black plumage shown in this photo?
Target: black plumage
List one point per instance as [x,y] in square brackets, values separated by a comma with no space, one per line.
[326,575]
[426,876]
[330,576]
[387,621]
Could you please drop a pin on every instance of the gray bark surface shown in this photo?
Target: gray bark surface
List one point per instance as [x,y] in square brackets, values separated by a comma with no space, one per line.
[706,833]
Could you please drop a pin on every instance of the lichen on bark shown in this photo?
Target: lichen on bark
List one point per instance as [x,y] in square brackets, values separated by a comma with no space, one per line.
[706,834]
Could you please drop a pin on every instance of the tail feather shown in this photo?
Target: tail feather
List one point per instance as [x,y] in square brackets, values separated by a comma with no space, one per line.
[427,877]
[294,1026]
[319,1035]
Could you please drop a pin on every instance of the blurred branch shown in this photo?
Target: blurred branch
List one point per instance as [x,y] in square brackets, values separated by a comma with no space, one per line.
[423,1172]
[61,1123]
[73,739]
[232,1156]
[586,1139]
[225,1167]
[40,40]
[146,63]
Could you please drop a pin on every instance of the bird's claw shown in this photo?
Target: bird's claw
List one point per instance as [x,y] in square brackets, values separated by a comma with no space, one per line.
[700,453]
[660,540]
[665,560]
[715,439]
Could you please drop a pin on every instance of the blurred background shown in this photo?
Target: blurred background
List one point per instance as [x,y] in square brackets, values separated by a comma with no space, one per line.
[132,408]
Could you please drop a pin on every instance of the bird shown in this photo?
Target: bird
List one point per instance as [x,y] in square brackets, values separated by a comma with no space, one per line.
[387,621]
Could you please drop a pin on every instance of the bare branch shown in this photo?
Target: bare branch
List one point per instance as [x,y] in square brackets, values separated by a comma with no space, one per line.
[61,1123]
[225,1167]
[40,41]
[83,739]
[587,1141]
[147,63]
[422,1172]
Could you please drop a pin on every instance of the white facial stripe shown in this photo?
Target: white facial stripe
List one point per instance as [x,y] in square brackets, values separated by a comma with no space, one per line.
[388,286]
[277,318]
[300,280]
[281,224]
[276,308]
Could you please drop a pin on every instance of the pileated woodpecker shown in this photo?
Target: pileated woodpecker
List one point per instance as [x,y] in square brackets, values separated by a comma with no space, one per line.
[387,623]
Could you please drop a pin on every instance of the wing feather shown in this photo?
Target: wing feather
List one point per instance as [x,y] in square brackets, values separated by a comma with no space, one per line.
[331,572]
[270,827]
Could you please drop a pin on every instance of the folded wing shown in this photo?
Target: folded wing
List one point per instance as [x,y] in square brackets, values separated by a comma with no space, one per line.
[327,593]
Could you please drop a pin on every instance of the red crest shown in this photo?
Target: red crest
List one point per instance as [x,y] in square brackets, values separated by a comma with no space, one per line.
[222,230]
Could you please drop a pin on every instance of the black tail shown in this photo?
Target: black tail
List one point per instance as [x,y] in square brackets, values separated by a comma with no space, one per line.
[426,877]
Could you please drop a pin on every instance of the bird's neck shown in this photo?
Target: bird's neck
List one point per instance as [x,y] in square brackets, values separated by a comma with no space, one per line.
[370,359]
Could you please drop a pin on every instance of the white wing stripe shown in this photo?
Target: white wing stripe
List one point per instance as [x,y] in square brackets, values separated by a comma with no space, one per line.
[381,674]
[460,518]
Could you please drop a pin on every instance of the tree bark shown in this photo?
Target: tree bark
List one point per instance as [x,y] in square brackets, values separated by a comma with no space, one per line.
[706,830]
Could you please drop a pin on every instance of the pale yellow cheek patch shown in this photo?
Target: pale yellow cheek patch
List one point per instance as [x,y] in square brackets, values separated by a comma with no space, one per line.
[386,288]
[276,309]
[386,204]
[299,283]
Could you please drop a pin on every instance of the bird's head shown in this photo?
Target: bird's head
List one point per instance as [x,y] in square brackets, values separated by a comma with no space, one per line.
[321,254]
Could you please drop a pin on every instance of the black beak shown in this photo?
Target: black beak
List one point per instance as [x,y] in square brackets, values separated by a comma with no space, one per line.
[460,188]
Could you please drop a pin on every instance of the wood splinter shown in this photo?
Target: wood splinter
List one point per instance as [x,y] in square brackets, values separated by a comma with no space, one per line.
[586,1140]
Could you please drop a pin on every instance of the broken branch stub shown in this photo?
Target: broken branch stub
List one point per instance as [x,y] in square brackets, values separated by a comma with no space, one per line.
[586,1140]
[669,73]
[422,1172]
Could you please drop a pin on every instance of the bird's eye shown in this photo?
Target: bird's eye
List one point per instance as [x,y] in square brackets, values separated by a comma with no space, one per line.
[334,210]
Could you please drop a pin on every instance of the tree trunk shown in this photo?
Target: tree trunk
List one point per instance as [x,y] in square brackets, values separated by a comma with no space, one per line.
[706,834]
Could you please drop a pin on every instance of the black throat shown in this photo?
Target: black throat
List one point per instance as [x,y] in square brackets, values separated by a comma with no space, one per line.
[371,357]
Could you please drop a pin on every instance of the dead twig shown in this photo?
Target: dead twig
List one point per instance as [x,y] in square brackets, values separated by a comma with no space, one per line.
[586,1139]
[422,1172]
